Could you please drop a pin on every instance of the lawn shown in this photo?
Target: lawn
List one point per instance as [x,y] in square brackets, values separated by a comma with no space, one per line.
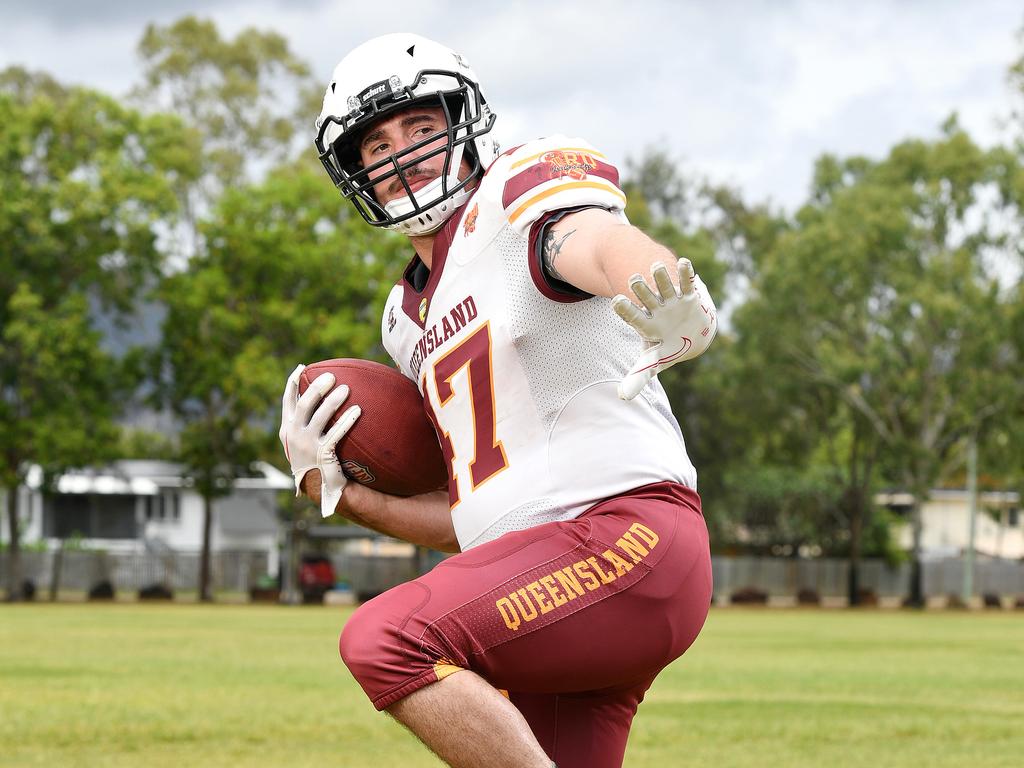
[235,685]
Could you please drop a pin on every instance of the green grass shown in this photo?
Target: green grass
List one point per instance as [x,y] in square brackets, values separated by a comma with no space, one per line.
[173,685]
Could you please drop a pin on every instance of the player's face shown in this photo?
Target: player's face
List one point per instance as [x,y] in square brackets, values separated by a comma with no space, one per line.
[395,133]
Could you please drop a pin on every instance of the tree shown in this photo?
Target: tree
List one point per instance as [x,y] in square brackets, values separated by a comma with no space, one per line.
[247,99]
[878,306]
[667,194]
[83,183]
[289,276]
[59,388]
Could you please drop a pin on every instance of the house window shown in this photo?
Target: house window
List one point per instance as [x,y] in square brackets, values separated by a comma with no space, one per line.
[1013,517]
[163,507]
[92,516]
[154,508]
[172,505]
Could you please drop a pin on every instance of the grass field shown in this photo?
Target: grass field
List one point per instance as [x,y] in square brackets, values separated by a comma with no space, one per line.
[136,685]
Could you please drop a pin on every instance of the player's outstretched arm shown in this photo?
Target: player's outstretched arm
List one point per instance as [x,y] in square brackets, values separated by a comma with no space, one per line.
[425,519]
[656,293]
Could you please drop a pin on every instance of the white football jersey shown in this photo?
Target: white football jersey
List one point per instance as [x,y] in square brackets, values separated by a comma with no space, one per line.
[519,373]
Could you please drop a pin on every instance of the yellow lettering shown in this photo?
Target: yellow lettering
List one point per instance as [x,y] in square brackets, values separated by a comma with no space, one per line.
[645,533]
[556,596]
[622,567]
[534,589]
[590,579]
[528,615]
[508,613]
[569,583]
[631,547]
[606,578]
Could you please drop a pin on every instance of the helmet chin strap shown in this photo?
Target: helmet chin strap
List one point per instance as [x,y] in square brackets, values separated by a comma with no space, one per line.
[434,217]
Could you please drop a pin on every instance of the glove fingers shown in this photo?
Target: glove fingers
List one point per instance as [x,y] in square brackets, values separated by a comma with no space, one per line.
[630,313]
[643,293]
[327,461]
[340,429]
[686,276]
[292,387]
[641,373]
[327,409]
[288,399]
[307,403]
[661,279]
[633,384]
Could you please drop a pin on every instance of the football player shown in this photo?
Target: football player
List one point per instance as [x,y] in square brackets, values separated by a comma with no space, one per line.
[533,318]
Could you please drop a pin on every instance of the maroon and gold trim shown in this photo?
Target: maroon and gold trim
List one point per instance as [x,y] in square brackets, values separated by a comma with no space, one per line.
[416,304]
[547,285]
[542,173]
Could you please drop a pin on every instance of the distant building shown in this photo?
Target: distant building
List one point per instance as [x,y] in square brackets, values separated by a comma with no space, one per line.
[140,505]
[945,517]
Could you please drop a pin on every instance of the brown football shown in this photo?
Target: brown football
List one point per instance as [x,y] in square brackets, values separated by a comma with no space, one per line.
[392,447]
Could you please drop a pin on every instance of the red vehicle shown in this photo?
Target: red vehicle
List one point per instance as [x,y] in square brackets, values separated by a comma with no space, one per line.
[316,576]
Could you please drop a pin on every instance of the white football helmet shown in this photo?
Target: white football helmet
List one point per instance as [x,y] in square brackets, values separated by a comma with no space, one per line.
[390,73]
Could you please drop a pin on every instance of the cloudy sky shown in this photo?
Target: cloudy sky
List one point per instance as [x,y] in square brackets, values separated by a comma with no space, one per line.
[743,92]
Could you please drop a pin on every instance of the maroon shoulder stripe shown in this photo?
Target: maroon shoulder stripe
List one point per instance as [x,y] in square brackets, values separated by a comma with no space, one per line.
[544,171]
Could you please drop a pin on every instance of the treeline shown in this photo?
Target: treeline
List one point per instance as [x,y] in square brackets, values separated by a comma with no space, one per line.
[869,338]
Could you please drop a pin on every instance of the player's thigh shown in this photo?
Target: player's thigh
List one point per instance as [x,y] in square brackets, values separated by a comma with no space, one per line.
[417,632]
[576,606]
[609,598]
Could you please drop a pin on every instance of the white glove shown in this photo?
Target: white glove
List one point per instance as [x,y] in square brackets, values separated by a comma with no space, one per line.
[301,433]
[675,326]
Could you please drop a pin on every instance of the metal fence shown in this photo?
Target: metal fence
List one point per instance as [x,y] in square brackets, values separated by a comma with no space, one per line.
[84,569]
[829,577]
[368,575]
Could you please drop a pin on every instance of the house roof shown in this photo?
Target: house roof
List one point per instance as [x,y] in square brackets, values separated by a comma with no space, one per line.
[145,477]
[904,499]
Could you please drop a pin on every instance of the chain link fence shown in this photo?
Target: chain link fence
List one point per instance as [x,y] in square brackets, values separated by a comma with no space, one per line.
[828,577]
[81,570]
[779,578]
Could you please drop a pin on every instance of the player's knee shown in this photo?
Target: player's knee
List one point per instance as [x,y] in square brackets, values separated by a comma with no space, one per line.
[370,640]
[361,640]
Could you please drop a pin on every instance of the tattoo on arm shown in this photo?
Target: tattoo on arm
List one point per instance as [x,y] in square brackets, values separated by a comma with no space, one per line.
[552,247]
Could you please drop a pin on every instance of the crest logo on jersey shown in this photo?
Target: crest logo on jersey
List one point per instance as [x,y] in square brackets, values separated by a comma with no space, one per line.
[423,309]
[391,320]
[469,225]
[571,163]
[357,471]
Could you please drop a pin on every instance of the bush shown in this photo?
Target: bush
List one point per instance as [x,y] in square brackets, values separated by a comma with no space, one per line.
[156,592]
[103,590]
[808,597]
[953,600]
[867,597]
[749,596]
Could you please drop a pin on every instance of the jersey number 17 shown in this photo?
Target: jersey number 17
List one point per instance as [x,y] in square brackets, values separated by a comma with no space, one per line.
[473,354]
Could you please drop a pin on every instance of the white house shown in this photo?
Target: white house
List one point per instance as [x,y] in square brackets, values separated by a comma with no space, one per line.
[945,519]
[141,505]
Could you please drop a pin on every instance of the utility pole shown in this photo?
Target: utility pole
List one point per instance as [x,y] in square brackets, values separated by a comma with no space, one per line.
[972,504]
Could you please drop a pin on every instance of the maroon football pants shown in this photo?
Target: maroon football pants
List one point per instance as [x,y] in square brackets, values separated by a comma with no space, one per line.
[574,619]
